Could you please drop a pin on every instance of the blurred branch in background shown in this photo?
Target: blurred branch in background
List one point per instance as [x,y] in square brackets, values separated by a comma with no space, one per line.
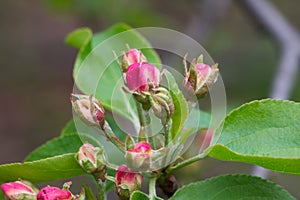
[289,40]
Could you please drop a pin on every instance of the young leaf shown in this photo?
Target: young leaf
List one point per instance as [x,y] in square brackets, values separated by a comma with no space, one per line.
[138,195]
[50,169]
[265,133]
[79,38]
[96,72]
[232,187]
[88,192]
[181,110]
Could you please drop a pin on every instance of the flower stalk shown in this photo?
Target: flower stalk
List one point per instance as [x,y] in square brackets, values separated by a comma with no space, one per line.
[113,138]
[185,163]
[152,189]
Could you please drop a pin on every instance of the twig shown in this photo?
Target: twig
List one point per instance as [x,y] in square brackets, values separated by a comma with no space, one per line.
[289,40]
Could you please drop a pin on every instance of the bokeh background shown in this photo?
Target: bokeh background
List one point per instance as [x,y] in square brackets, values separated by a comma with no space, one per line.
[36,65]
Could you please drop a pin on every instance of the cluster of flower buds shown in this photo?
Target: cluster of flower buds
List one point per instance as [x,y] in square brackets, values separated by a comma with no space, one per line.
[143,80]
[89,109]
[127,181]
[139,158]
[92,160]
[200,76]
[24,190]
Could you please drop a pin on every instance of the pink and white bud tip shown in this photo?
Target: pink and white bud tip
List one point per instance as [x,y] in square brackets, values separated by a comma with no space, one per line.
[130,57]
[199,77]
[19,190]
[140,157]
[89,109]
[54,193]
[142,76]
[127,181]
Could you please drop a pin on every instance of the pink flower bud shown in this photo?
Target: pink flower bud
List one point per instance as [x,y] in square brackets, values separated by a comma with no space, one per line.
[89,109]
[131,57]
[200,77]
[54,193]
[127,181]
[140,156]
[142,76]
[141,147]
[91,159]
[87,154]
[18,190]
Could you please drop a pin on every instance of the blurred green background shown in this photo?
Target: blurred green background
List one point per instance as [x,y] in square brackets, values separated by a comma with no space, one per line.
[36,65]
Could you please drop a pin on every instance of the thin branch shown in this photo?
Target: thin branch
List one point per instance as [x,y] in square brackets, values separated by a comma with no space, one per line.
[289,40]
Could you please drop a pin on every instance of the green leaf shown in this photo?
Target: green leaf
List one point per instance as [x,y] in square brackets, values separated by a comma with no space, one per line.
[57,146]
[50,169]
[232,187]
[109,185]
[138,195]
[88,193]
[69,128]
[79,38]
[181,110]
[69,143]
[265,133]
[96,72]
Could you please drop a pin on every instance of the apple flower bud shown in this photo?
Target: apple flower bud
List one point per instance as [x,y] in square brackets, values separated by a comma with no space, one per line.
[162,103]
[127,181]
[142,76]
[199,77]
[19,190]
[89,109]
[54,193]
[92,160]
[140,157]
[132,56]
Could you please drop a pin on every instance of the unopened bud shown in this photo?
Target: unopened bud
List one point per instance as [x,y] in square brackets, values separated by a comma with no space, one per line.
[92,160]
[142,136]
[162,103]
[199,77]
[19,190]
[127,181]
[89,109]
[139,158]
[132,56]
[54,193]
[142,76]
[129,142]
